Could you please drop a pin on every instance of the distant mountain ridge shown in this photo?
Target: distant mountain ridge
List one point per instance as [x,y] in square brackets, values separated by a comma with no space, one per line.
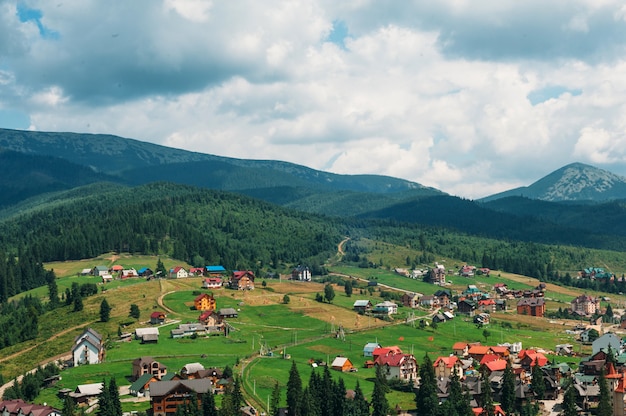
[574,182]
[131,160]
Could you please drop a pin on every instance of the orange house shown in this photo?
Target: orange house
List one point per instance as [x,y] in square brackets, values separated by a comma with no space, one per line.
[204,302]
[242,280]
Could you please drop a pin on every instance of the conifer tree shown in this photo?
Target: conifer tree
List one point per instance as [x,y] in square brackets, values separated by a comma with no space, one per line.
[426,398]
[537,383]
[275,400]
[360,405]
[507,394]
[114,397]
[569,402]
[208,405]
[69,408]
[53,289]
[486,396]
[104,401]
[458,403]
[105,311]
[294,391]
[605,407]
[380,405]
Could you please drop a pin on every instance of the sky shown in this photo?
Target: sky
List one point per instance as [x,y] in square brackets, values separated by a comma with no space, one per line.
[470,97]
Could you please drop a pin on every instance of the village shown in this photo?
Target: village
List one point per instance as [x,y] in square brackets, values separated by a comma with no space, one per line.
[470,361]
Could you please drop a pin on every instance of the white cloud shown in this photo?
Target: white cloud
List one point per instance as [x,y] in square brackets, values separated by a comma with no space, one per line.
[436,92]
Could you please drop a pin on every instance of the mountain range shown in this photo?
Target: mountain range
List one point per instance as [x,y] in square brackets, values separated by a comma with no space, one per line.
[575,200]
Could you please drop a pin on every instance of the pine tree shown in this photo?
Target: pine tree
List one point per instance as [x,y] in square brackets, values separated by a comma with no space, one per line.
[53,289]
[458,402]
[329,293]
[605,407]
[380,378]
[104,401]
[294,391]
[361,407]
[134,311]
[380,405]
[338,398]
[114,397]
[78,302]
[275,401]
[237,400]
[507,394]
[208,405]
[69,408]
[348,288]
[426,398]
[537,383]
[486,396]
[105,311]
[160,269]
[569,402]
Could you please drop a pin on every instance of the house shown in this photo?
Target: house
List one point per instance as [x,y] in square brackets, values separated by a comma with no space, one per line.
[157,318]
[196,271]
[145,272]
[429,301]
[368,349]
[166,396]
[147,365]
[140,387]
[530,358]
[482,319]
[126,273]
[21,408]
[84,392]
[190,369]
[460,349]
[478,352]
[88,348]
[466,306]
[487,305]
[301,273]
[437,275]
[116,268]
[212,283]
[242,280]
[606,341]
[585,305]
[86,272]
[342,364]
[386,308]
[362,306]
[216,271]
[398,366]
[444,296]
[227,313]
[147,335]
[210,318]
[411,300]
[106,278]
[385,351]
[204,302]
[100,271]
[178,272]
[446,366]
[531,306]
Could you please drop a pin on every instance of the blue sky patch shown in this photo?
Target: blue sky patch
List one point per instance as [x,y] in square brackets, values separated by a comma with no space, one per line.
[544,94]
[27,14]
[338,34]
[12,119]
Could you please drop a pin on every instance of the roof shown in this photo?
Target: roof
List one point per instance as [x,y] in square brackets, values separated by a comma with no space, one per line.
[340,362]
[393,360]
[117,267]
[141,382]
[202,296]
[92,389]
[18,406]
[362,302]
[156,314]
[479,349]
[227,311]
[448,361]
[140,332]
[496,365]
[531,302]
[460,345]
[371,346]
[387,350]
[89,331]
[198,385]
[192,368]
[215,269]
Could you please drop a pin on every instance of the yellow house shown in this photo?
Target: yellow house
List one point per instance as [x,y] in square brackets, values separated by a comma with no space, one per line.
[204,302]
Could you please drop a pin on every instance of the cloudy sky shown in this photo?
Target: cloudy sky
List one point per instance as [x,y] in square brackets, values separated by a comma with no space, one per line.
[471,97]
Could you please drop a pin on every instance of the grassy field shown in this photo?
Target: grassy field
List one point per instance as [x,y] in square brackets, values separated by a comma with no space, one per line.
[303,328]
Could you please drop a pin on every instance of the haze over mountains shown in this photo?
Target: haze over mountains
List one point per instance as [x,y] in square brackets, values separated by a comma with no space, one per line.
[575,199]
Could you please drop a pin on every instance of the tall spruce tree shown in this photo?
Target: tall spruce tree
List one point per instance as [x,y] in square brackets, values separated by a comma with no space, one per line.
[426,398]
[569,402]
[208,405]
[53,289]
[458,403]
[507,393]
[359,404]
[294,391]
[69,408]
[104,401]
[380,405]
[274,401]
[114,397]
[605,407]
[537,383]
[105,311]
[486,396]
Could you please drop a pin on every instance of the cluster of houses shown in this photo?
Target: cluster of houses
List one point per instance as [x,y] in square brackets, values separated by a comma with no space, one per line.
[18,407]
[215,277]
[166,390]
[437,274]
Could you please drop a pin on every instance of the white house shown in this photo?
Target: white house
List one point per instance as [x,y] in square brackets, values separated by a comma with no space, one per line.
[178,273]
[88,348]
[387,307]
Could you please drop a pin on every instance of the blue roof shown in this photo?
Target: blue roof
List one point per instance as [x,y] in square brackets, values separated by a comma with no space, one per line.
[143,269]
[215,268]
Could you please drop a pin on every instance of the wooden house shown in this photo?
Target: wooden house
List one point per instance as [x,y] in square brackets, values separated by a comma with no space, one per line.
[242,280]
[342,364]
[204,302]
